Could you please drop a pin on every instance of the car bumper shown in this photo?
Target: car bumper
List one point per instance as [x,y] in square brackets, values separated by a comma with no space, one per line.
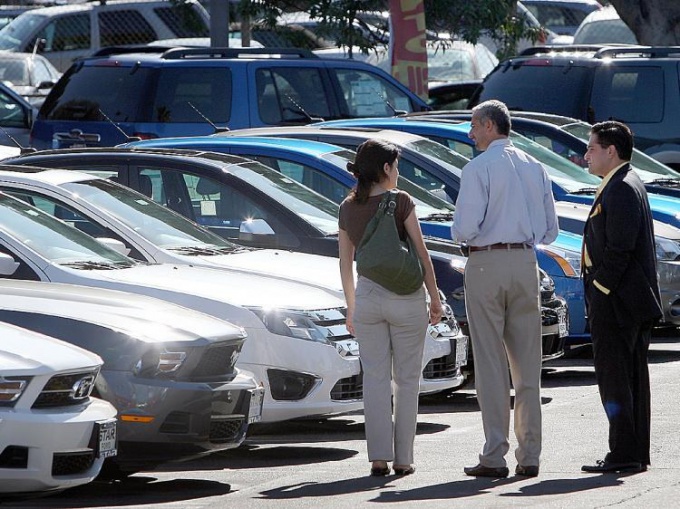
[669,285]
[169,420]
[61,447]
[555,327]
[445,353]
[303,378]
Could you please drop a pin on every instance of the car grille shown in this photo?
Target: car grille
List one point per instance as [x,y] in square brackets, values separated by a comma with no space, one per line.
[442,367]
[176,423]
[334,322]
[225,430]
[348,388]
[70,463]
[217,360]
[67,389]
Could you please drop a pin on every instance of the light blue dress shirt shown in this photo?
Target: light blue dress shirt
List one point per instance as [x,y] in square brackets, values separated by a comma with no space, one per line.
[505,196]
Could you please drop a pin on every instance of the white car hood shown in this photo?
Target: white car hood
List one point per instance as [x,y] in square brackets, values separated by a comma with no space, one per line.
[29,353]
[321,271]
[236,288]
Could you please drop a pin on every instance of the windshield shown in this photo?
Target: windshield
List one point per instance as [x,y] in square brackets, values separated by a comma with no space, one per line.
[427,204]
[53,239]
[18,30]
[449,159]
[314,208]
[569,176]
[156,223]
[648,168]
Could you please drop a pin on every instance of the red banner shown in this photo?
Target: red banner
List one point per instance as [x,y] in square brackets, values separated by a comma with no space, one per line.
[408,55]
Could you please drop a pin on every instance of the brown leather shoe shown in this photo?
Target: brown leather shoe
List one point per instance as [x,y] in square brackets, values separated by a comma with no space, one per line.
[480,470]
[527,470]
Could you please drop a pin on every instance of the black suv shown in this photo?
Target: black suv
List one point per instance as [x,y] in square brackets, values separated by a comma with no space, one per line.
[637,85]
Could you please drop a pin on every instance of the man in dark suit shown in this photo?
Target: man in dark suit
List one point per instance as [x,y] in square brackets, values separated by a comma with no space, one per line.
[622,296]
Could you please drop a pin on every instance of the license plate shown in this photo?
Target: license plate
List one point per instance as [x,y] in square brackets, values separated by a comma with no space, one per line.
[255,411]
[461,351]
[107,439]
[562,324]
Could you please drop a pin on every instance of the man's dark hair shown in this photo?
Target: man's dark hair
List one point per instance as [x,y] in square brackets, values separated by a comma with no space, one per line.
[615,133]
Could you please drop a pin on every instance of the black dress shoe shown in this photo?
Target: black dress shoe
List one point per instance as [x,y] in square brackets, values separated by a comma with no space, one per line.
[480,470]
[404,470]
[527,470]
[380,471]
[606,466]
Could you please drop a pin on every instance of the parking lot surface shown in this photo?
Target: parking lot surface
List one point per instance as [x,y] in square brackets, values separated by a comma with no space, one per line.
[313,464]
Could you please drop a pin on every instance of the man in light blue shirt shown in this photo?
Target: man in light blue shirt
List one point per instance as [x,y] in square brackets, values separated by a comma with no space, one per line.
[505,207]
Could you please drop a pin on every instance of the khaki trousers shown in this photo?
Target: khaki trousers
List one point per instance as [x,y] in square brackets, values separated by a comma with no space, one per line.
[502,300]
[390,329]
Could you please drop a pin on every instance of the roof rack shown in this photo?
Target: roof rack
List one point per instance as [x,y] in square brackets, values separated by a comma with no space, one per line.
[179,53]
[651,51]
[574,48]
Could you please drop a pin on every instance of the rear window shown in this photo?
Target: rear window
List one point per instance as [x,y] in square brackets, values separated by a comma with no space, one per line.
[124,27]
[168,95]
[623,93]
[83,95]
[539,87]
[183,20]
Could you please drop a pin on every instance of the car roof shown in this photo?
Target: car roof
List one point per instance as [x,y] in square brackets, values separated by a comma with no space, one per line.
[313,148]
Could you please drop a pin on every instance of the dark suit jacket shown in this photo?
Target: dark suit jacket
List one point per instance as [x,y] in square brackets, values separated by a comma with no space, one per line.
[619,236]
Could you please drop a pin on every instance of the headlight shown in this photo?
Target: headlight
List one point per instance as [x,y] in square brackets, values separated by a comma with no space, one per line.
[11,389]
[569,261]
[547,283]
[666,249]
[292,324]
[159,363]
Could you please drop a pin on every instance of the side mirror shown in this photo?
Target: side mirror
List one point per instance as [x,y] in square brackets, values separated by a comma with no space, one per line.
[7,265]
[44,85]
[253,228]
[114,244]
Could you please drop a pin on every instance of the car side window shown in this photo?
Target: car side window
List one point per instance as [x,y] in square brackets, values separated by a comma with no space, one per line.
[66,33]
[216,205]
[180,94]
[417,175]
[11,113]
[308,176]
[42,73]
[369,95]
[24,272]
[291,94]
[462,148]
[124,27]
[616,89]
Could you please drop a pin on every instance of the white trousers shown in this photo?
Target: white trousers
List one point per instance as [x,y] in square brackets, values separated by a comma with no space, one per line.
[502,300]
[390,329]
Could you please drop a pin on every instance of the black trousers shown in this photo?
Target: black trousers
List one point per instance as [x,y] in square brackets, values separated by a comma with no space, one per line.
[622,373]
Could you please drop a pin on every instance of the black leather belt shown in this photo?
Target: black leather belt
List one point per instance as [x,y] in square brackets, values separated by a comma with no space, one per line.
[501,245]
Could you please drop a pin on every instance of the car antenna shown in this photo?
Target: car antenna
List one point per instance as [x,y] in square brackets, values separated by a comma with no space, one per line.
[395,111]
[217,128]
[24,150]
[303,111]
[128,138]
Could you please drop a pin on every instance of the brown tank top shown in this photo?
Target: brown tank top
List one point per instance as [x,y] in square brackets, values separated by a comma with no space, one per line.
[354,216]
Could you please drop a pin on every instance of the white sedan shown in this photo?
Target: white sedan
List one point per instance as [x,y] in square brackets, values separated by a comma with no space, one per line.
[150,232]
[288,323]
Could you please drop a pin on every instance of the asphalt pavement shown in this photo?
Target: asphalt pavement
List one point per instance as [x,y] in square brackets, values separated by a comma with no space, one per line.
[323,463]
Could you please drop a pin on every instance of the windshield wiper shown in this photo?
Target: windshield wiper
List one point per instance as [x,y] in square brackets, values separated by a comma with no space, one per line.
[438,216]
[585,190]
[665,182]
[92,265]
[196,250]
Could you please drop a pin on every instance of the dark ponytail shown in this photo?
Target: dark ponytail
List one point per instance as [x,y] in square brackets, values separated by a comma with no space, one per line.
[368,166]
